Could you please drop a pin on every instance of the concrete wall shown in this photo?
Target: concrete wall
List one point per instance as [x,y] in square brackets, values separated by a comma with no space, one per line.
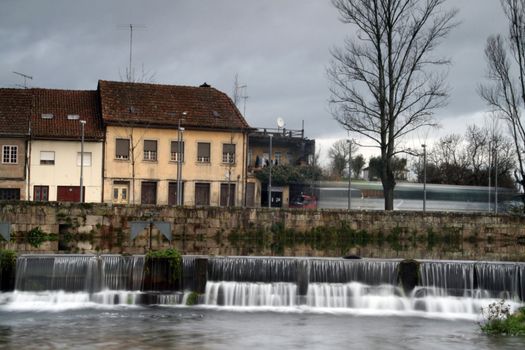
[222,231]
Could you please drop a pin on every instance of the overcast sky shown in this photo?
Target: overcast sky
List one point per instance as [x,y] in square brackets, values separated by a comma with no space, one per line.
[278,48]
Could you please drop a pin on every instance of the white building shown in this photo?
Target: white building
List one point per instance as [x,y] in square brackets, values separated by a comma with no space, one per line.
[55,146]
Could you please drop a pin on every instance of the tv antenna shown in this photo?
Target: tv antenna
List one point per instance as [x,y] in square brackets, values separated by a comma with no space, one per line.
[26,77]
[131,27]
[239,92]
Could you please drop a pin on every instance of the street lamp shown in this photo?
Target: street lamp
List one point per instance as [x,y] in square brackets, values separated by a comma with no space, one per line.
[349,174]
[270,176]
[424,177]
[180,140]
[82,125]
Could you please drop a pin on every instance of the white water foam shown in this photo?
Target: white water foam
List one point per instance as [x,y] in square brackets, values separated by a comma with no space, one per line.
[62,301]
[344,298]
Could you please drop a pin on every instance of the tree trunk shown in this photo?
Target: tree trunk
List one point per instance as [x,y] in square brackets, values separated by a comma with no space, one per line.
[388,181]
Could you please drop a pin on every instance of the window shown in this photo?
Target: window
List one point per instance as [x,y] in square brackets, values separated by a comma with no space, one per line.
[41,193]
[175,151]
[150,150]
[148,193]
[122,149]
[9,154]
[203,152]
[202,194]
[7,194]
[87,158]
[172,193]
[227,195]
[228,153]
[278,157]
[73,117]
[47,115]
[47,157]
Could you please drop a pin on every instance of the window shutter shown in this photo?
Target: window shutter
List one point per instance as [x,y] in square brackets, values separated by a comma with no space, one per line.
[203,150]
[150,145]
[175,148]
[228,148]
[122,148]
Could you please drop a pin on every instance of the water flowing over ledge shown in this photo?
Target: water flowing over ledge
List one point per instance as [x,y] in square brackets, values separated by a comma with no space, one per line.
[444,289]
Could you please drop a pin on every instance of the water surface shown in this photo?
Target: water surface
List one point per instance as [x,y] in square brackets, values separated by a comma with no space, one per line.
[135,327]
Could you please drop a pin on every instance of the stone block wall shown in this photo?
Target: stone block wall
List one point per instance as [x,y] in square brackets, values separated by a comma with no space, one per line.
[91,228]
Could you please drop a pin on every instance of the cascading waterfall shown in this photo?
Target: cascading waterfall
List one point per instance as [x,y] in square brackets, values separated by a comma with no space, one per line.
[122,272]
[368,286]
[76,280]
[362,286]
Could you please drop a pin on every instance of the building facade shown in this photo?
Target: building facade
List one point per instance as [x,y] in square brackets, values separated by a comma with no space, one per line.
[158,135]
[288,147]
[15,109]
[55,146]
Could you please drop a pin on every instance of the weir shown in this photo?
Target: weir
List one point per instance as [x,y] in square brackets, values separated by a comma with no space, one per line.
[364,285]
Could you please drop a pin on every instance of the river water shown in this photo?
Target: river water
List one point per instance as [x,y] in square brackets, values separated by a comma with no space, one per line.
[166,327]
[87,302]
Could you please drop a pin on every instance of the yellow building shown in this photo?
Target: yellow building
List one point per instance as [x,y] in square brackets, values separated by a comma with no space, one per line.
[152,130]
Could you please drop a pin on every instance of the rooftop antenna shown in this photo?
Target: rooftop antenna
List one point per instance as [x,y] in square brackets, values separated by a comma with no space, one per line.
[240,92]
[131,26]
[25,76]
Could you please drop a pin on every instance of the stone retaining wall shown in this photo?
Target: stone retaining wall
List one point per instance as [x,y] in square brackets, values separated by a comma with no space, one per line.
[82,228]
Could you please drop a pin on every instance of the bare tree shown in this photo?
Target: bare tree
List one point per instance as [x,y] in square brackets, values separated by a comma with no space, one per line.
[338,155]
[505,93]
[470,159]
[381,83]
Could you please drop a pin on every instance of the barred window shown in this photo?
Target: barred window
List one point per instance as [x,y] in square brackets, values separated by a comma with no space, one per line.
[175,151]
[122,149]
[203,152]
[228,153]
[150,150]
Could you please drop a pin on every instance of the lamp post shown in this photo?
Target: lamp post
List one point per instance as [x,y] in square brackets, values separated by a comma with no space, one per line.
[82,125]
[424,177]
[180,140]
[496,176]
[270,176]
[349,174]
[489,171]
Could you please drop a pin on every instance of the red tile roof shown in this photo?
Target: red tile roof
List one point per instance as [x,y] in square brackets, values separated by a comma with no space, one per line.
[62,103]
[163,106]
[15,109]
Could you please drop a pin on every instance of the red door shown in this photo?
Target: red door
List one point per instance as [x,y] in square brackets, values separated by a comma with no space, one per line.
[69,193]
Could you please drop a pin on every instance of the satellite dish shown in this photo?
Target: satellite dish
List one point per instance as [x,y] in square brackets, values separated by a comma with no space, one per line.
[280,122]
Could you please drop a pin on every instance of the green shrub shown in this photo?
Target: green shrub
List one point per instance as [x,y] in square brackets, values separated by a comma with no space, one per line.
[497,320]
[193,299]
[7,260]
[36,237]
[174,257]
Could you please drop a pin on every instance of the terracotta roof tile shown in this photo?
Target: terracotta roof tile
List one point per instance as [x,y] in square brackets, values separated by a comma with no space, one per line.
[163,105]
[15,109]
[62,103]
